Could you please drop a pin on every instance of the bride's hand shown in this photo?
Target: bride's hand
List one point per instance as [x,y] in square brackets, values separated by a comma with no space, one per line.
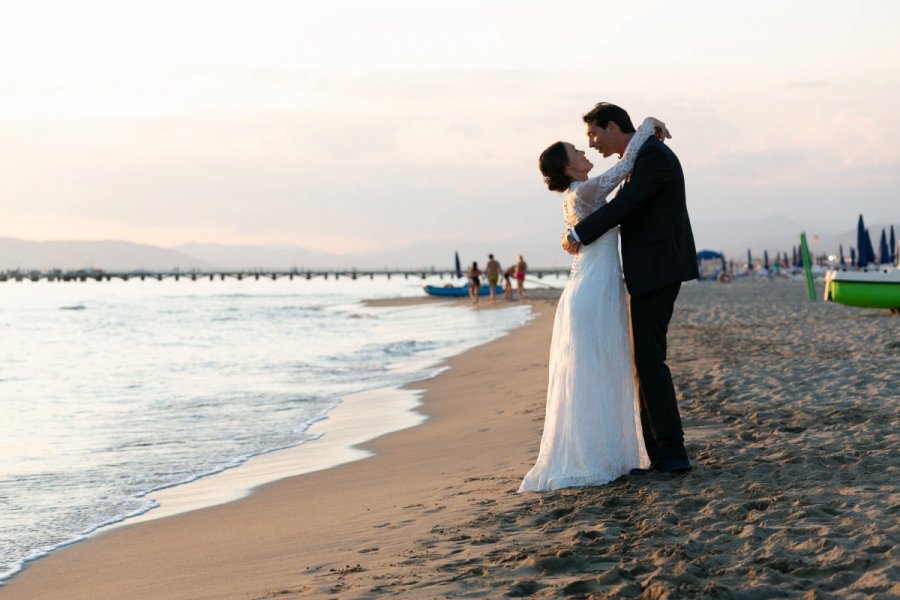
[660,130]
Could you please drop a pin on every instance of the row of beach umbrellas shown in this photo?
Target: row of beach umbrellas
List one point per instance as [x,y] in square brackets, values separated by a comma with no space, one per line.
[860,256]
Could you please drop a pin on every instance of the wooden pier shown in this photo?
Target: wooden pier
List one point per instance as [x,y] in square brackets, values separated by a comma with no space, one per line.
[98,275]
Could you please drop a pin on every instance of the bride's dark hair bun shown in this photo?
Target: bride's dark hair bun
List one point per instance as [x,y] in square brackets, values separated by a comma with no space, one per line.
[553,163]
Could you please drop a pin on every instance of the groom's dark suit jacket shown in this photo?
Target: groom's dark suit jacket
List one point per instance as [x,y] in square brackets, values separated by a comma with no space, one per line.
[657,241]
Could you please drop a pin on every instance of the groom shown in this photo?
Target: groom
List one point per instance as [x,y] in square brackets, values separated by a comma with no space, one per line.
[658,253]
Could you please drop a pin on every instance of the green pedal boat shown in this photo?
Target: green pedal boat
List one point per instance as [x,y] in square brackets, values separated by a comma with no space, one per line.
[873,287]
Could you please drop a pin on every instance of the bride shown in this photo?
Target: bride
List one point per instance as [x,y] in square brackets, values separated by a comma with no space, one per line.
[592,428]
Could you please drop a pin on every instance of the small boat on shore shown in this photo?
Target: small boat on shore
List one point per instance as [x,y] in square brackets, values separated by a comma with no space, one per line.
[460,290]
[874,287]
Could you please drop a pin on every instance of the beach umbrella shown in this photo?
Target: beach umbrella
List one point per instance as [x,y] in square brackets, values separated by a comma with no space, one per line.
[870,249]
[861,235]
[749,260]
[766,260]
[458,267]
[852,256]
[793,256]
[884,254]
[841,253]
[893,246]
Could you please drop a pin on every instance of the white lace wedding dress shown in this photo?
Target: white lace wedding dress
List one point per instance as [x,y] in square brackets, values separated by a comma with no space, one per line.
[592,428]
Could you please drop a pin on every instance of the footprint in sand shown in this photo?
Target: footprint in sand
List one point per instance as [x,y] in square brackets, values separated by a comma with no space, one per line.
[526,587]
[563,562]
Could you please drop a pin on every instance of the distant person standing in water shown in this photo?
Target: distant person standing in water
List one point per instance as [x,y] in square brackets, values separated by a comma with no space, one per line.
[521,269]
[474,282]
[492,270]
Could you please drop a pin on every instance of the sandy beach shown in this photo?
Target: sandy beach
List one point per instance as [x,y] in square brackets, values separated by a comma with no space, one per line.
[791,413]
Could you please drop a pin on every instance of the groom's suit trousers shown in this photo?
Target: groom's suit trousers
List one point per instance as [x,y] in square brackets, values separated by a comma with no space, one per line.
[660,419]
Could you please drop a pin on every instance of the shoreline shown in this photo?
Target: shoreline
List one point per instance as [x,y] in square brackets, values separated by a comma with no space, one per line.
[344,429]
[341,433]
[790,415]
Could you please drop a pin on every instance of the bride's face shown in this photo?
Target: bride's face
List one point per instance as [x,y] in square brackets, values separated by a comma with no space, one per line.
[577,163]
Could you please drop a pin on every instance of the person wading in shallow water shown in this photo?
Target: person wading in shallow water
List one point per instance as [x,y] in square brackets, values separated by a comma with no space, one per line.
[492,271]
[474,282]
[521,270]
[507,282]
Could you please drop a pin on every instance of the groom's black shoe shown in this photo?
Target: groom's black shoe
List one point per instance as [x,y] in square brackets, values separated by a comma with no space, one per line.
[675,466]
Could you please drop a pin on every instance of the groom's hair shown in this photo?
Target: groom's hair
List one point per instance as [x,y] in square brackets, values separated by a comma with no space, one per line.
[604,112]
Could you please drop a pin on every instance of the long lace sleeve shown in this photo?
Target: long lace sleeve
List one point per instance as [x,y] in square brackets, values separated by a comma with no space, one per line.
[591,195]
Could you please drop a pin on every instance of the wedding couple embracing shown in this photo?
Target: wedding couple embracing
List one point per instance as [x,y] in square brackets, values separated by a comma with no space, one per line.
[600,422]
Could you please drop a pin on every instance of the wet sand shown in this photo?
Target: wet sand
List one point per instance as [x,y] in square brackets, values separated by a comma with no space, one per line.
[791,410]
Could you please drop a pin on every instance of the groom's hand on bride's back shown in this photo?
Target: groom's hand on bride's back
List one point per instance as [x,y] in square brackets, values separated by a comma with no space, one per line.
[568,245]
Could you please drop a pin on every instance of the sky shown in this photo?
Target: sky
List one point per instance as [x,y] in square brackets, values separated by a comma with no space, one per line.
[362,125]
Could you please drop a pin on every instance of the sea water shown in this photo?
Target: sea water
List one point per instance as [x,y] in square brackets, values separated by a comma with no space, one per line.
[111,390]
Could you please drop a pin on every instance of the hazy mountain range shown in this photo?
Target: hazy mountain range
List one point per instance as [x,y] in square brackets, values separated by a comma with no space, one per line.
[540,248]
